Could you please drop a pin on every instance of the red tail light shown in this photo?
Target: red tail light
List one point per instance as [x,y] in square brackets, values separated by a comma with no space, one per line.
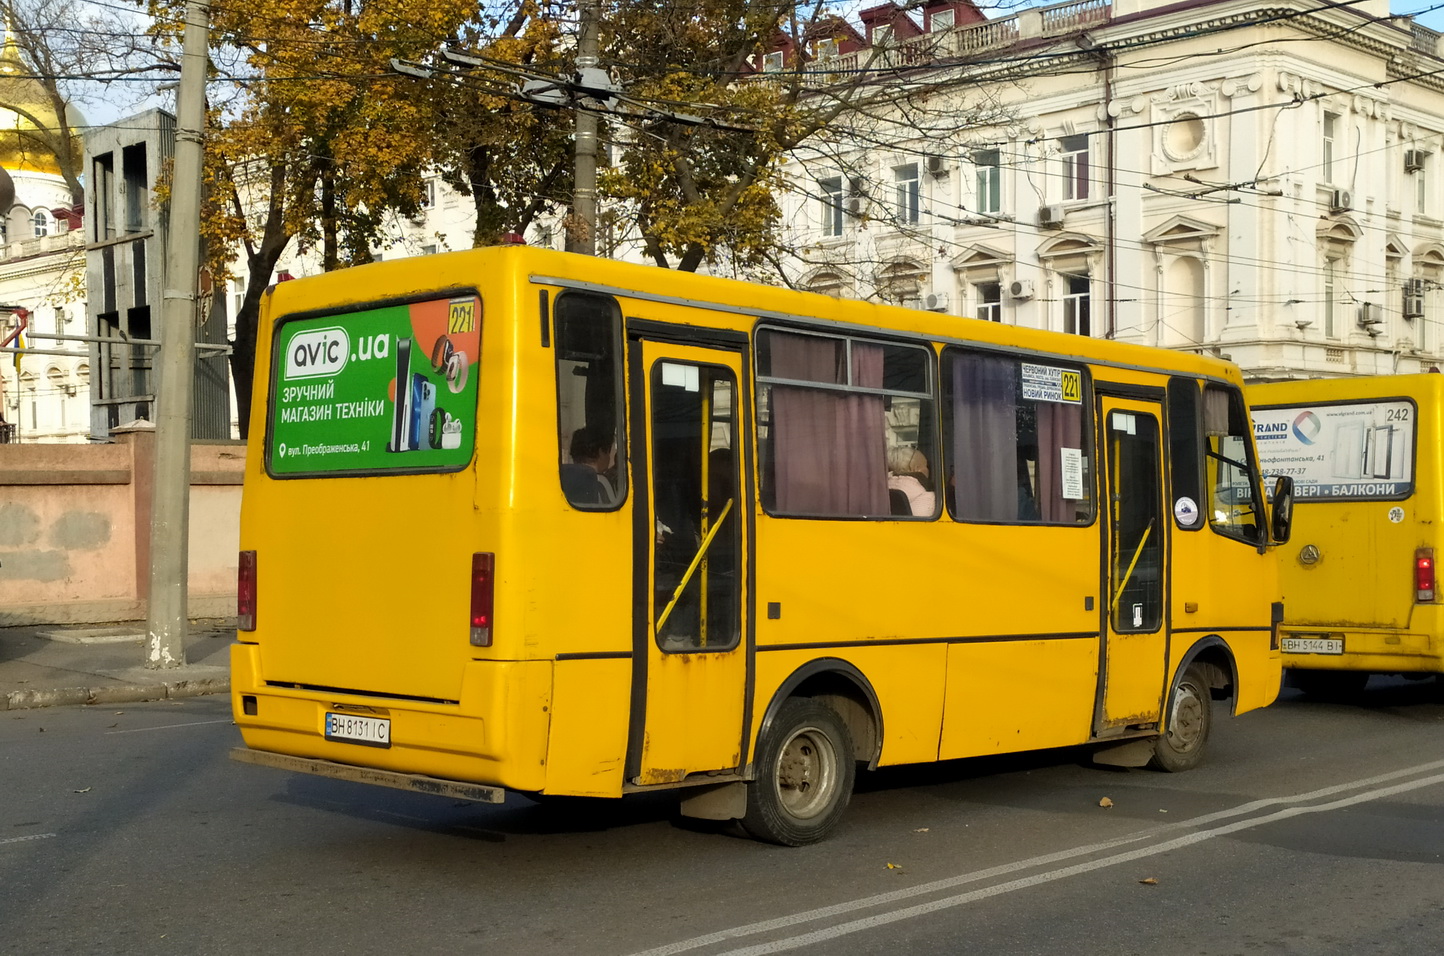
[483,568]
[246,591]
[1424,574]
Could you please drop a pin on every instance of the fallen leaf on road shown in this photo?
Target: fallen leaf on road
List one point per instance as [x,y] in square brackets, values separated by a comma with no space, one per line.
[86,790]
[1105,802]
[1148,881]
[894,866]
[921,830]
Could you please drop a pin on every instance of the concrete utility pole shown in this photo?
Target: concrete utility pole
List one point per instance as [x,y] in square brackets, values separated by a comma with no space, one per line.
[584,196]
[170,502]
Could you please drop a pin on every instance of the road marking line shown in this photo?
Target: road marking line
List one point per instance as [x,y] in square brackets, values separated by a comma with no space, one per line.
[922,909]
[33,836]
[194,723]
[882,899]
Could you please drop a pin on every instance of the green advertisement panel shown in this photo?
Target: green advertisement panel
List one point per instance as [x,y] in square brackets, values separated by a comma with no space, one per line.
[387,389]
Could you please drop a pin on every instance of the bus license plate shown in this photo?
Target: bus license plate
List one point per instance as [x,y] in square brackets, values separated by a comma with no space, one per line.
[1313,645]
[355,729]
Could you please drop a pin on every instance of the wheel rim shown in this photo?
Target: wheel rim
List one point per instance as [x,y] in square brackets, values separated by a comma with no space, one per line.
[807,773]
[1186,725]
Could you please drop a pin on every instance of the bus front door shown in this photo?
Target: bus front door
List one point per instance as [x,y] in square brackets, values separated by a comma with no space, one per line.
[690,658]
[1135,652]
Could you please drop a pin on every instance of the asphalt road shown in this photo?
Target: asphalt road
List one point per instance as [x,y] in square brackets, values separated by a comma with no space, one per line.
[1313,829]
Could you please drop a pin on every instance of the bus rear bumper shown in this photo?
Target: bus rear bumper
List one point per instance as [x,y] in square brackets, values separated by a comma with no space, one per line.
[1377,651]
[416,783]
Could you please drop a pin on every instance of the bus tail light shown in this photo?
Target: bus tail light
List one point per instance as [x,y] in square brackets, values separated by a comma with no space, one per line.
[246,591]
[1424,575]
[483,568]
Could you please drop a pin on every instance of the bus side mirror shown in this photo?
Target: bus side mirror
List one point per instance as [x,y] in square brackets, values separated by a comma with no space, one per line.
[1282,520]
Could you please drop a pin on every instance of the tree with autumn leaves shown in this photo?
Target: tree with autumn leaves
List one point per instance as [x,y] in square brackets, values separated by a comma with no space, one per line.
[314,138]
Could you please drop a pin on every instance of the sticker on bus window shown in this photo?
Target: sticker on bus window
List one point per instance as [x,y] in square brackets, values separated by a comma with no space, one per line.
[1048,383]
[1349,451]
[382,389]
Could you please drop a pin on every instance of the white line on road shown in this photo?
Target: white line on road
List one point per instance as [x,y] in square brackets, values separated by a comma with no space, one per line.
[882,899]
[24,839]
[194,723]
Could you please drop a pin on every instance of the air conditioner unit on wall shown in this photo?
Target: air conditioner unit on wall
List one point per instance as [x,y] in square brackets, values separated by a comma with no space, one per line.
[1341,201]
[1413,298]
[935,302]
[937,165]
[1371,318]
[1050,217]
[1020,289]
[854,206]
[1413,160]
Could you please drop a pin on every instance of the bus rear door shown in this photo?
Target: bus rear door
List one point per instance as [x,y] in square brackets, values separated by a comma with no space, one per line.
[690,673]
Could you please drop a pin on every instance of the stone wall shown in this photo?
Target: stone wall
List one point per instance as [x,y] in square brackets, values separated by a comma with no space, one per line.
[75,529]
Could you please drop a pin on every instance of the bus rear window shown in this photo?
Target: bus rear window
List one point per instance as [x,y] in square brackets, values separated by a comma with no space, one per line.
[386,389]
[1345,451]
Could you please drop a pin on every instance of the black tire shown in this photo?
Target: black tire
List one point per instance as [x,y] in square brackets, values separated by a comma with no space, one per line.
[805,770]
[1335,686]
[1181,746]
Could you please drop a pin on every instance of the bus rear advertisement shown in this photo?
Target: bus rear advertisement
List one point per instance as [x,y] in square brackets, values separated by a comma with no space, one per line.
[522,521]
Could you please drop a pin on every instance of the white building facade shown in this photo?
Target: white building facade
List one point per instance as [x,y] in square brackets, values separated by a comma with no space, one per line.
[1265,184]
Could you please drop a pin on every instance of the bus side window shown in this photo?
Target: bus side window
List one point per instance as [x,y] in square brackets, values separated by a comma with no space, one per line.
[1185,452]
[1015,438]
[590,404]
[1229,458]
[830,410]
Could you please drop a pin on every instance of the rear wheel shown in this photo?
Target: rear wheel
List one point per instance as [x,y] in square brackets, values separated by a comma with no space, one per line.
[1190,718]
[805,771]
[1336,686]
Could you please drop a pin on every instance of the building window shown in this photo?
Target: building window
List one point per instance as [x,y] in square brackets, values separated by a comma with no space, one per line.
[1076,312]
[831,205]
[941,20]
[772,62]
[990,301]
[825,50]
[1421,185]
[41,222]
[988,163]
[428,193]
[905,180]
[1331,130]
[1075,166]
[238,295]
[1331,269]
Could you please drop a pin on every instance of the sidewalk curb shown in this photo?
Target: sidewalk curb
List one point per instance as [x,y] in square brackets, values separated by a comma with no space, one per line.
[115,693]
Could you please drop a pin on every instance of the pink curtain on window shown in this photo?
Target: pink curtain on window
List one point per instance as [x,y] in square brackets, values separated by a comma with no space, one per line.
[985,437]
[831,451]
[1059,427]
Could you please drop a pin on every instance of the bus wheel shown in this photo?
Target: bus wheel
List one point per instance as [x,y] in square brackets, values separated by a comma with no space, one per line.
[805,769]
[1336,686]
[1190,717]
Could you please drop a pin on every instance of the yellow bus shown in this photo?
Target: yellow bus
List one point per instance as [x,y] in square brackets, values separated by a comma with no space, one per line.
[518,520]
[1359,580]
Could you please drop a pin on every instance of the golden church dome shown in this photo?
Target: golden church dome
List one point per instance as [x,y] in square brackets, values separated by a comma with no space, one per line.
[28,121]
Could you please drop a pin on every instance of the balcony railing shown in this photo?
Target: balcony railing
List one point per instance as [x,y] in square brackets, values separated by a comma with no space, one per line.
[973,38]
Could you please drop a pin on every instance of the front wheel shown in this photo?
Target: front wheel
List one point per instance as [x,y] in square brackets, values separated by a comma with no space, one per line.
[1190,718]
[805,770]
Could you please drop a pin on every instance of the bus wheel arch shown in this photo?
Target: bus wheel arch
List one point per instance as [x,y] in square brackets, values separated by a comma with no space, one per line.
[842,687]
[1206,673]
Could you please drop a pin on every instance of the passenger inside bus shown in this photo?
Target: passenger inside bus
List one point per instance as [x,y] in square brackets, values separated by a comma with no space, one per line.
[584,478]
[908,474]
